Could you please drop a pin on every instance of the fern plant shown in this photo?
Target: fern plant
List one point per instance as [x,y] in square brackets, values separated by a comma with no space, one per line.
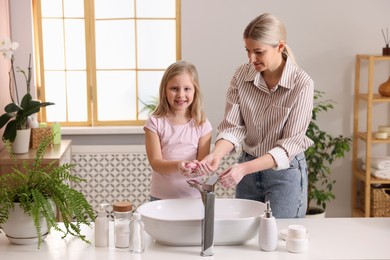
[35,187]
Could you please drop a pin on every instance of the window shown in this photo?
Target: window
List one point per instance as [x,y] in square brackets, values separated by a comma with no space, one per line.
[98,59]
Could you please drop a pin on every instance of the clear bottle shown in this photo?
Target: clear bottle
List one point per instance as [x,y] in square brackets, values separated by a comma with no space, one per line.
[101,227]
[137,237]
[268,233]
[122,217]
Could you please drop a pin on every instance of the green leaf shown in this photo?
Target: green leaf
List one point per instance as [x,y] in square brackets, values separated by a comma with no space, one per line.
[4,118]
[12,108]
[10,131]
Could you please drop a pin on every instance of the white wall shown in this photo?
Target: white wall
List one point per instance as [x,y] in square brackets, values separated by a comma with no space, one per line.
[325,36]
[4,64]
[22,32]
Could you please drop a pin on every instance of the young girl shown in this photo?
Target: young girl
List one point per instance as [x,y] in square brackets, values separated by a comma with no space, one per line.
[177,134]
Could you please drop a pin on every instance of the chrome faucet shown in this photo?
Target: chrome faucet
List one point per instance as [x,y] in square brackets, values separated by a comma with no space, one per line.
[206,190]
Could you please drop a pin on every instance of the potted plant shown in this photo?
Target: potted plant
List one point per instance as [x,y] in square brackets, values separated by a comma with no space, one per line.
[325,150]
[36,188]
[17,113]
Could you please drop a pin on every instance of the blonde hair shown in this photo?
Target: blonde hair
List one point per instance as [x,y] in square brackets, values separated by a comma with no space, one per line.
[269,30]
[177,68]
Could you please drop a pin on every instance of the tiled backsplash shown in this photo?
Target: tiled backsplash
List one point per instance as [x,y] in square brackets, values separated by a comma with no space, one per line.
[115,173]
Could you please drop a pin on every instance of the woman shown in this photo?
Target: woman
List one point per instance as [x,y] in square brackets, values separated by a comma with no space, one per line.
[268,109]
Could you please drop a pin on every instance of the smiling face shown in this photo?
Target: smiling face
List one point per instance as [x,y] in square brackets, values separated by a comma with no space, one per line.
[180,92]
[264,56]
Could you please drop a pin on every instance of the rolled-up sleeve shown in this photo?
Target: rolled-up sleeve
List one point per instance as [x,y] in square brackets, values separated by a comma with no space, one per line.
[232,127]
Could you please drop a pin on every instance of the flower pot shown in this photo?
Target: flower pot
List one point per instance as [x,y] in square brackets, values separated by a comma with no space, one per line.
[20,228]
[21,143]
[315,212]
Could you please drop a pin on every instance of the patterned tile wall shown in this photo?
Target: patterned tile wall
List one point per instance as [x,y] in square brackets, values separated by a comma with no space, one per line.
[114,176]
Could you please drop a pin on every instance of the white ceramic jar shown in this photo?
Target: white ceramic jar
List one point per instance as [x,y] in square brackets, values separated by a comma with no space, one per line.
[297,239]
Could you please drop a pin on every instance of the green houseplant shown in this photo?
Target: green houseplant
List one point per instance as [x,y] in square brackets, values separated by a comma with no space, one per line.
[36,187]
[325,150]
[16,114]
[149,106]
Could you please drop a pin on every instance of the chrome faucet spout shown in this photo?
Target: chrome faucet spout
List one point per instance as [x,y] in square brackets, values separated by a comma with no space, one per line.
[208,224]
[206,190]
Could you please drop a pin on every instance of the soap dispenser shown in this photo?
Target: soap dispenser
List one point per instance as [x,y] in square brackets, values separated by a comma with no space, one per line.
[268,233]
[101,227]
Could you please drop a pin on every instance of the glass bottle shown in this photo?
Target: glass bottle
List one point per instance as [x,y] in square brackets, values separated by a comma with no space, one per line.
[137,238]
[122,217]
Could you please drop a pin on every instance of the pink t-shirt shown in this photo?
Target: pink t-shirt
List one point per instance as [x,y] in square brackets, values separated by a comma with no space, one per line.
[178,142]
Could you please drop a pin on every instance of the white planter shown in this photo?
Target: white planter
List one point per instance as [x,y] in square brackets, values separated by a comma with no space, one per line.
[318,214]
[21,143]
[20,228]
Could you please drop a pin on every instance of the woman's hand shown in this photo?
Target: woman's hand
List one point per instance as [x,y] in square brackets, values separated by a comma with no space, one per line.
[232,176]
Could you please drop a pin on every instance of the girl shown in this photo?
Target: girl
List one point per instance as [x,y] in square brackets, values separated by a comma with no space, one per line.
[176,133]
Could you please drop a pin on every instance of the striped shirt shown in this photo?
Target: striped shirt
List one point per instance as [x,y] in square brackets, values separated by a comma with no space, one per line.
[269,121]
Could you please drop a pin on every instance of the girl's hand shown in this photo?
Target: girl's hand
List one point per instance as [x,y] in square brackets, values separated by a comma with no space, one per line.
[190,169]
[231,176]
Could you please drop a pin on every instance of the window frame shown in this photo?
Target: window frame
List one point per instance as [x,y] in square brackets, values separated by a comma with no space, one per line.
[91,72]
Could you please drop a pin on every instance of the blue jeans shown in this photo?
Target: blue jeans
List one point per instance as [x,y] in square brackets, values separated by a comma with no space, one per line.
[285,189]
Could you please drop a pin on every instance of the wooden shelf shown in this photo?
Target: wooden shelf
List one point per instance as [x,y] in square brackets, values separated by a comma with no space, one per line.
[376,98]
[357,213]
[363,136]
[361,175]
[363,179]
[373,57]
[57,154]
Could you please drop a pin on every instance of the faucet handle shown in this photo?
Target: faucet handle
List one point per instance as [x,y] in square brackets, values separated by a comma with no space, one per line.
[210,182]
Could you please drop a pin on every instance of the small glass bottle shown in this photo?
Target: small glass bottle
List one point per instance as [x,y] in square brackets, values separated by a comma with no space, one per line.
[137,238]
[102,227]
[122,217]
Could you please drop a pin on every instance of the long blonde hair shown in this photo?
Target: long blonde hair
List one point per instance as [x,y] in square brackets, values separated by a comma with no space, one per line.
[268,29]
[177,68]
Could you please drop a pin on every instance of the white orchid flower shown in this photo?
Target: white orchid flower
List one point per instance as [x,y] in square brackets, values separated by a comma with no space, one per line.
[7,48]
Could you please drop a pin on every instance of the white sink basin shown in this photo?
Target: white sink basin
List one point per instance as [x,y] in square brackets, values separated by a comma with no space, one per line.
[177,222]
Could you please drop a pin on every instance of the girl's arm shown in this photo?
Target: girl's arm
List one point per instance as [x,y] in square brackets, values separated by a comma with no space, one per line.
[156,161]
[204,146]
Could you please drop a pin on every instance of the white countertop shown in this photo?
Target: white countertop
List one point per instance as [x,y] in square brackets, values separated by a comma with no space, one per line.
[329,238]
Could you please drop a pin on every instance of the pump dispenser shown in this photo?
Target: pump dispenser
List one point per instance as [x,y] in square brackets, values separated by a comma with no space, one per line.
[101,227]
[268,233]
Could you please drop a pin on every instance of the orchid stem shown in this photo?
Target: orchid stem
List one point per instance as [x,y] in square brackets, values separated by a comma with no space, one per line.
[28,80]
[14,79]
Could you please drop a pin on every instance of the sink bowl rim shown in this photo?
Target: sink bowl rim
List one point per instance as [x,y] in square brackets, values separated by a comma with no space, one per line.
[141,207]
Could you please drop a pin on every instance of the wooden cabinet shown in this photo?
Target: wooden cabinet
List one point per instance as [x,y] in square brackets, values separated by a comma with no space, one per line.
[60,154]
[363,137]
